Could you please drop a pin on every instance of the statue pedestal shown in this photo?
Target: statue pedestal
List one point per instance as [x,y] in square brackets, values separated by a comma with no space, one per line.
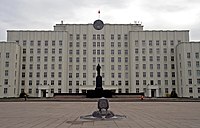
[98,83]
[98,93]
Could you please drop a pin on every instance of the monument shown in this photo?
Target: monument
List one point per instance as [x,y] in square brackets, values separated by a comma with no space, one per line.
[103,113]
[99,91]
[98,79]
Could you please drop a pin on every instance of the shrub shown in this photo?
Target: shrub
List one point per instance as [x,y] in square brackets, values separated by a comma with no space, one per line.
[174,94]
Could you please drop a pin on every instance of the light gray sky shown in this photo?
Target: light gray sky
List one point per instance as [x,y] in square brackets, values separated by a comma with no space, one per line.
[154,14]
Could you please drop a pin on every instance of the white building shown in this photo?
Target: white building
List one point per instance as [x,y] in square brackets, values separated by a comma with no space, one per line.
[132,59]
[188,69]
[9,69]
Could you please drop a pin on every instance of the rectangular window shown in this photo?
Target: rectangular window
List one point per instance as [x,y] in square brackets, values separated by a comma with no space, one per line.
[189,81]
[198,81]
[7,55]
[188,55]
[190,90]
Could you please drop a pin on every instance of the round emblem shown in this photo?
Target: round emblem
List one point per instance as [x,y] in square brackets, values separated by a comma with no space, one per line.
[98,24]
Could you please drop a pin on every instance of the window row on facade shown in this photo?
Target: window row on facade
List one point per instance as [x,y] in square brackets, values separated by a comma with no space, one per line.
[155,42]
[41,43]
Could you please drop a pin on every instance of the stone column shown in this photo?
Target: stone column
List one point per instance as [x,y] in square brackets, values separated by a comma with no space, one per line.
[157,92]
[149,91]
[47,92]
[39,92]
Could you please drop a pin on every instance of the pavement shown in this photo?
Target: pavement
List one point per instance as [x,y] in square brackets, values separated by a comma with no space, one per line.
[67,115]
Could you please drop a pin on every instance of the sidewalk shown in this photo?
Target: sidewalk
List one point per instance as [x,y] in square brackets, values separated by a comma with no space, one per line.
[67,115]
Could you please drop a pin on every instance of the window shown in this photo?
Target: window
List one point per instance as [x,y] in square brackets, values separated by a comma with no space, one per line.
[60,58]
[151,66]
[198,72]
[24,42]
[144,74]
[70,44]
[171,42]
[38,50]
[173,82]
[30,82]
[31,43]
[30,74]
[112,44]
[84,36]
[137,74]
[136,51]
[45,74]
[6,81]
[31,51]
[198,81]
[53,42]
[77,44]
[119,37]
[84,44]
[46,43]
[70,83]
[172,58]
[157,43]
[137,82]
[38,58]
[150,58]
[38,74]
[52,90]
[150,51]
[24,51]
[102,36]
[5,91]
[59,90]
[190,90]
[23,66]
[119,82]
[119,44]
[172,50]
[126,44]
[188,55]
[60,51]
[189,81]
[136,58]
[94,37]
[52,74]
[71,36]
[46,51]
[166,90]
[150,43]
[112,37]
[98,37]
[77,37]
[197,55]
[173,74]
[6,72]
[59,82]
[165,50]
[197,64]
[7,55]
[158,74]
[126,83]
[39,43]
[119,59]
[189,63]
[137,90]
[165,58]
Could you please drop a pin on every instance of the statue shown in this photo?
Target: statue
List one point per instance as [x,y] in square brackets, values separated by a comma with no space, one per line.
[98,79]
[98,70]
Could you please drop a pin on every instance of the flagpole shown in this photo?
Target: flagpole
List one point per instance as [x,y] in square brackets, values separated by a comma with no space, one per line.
[99,13]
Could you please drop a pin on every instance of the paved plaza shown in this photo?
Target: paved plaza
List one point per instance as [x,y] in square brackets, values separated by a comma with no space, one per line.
[67,115]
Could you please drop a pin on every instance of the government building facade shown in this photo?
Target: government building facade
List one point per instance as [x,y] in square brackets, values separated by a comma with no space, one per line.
[132,60]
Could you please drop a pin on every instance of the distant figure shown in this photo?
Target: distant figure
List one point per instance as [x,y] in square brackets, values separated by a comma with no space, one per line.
[98,70]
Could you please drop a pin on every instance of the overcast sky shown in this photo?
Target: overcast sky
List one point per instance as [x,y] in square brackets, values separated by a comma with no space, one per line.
[154,14]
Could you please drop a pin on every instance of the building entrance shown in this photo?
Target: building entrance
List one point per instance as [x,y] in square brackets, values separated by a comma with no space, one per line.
[43,93]
[153,92]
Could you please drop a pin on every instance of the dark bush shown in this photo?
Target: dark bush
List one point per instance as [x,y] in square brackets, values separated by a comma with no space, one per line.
[23,95]
[174,94]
